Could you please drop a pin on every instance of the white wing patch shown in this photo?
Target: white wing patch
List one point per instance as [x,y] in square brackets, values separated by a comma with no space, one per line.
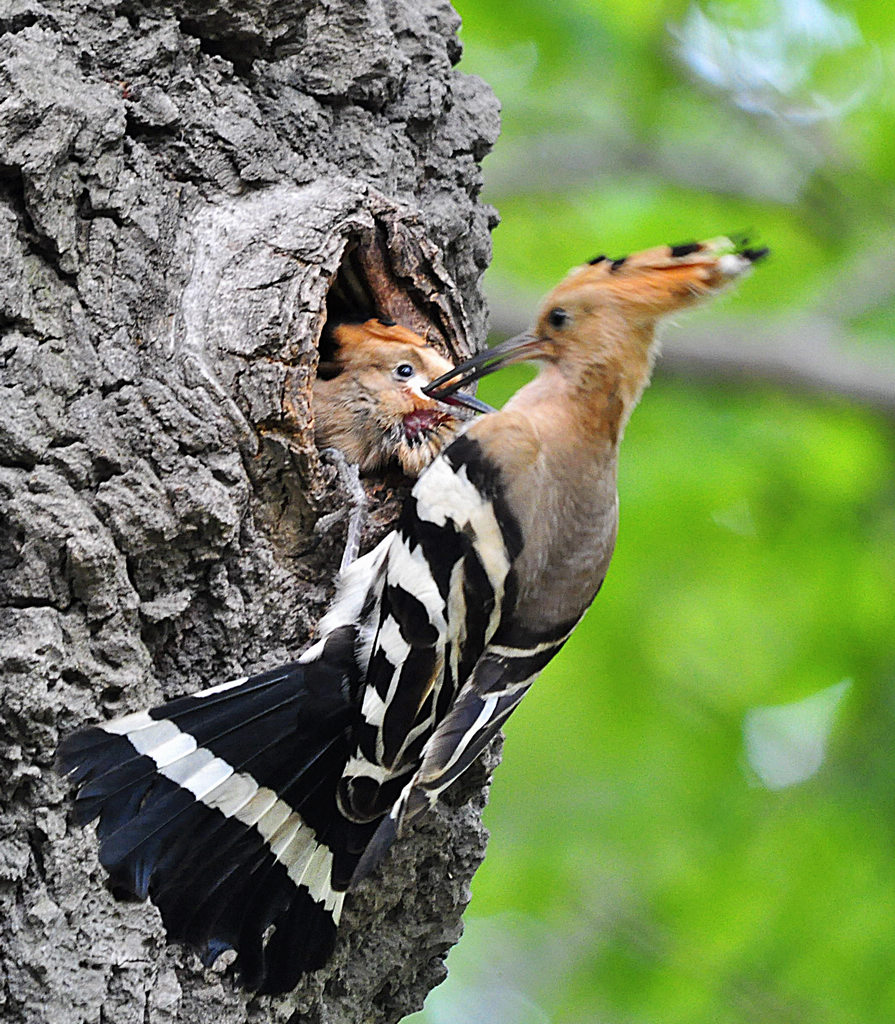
[360,767]
[408,569]
[354,584]
[373,708]
[220,688]
[391,643]
[444,494]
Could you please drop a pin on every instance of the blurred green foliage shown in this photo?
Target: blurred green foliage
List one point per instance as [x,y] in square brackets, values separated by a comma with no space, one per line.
[645,866]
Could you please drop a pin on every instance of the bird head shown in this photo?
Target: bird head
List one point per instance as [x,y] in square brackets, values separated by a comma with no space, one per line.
[604,314]
[371,400]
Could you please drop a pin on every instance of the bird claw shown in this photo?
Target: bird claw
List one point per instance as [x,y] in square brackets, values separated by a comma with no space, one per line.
[349,477]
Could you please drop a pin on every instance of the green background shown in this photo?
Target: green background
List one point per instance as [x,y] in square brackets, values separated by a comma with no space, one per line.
[663,850]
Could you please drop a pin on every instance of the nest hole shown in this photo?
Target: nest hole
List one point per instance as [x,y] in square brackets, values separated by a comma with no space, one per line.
[351,299]
[366,286]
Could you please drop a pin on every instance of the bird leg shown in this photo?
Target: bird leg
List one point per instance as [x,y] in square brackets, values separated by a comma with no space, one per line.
[349,476]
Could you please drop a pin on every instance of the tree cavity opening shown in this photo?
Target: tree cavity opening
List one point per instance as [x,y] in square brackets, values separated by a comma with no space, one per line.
[368,285]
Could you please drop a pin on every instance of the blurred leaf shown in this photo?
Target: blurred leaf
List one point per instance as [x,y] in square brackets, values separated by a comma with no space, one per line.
[787,744]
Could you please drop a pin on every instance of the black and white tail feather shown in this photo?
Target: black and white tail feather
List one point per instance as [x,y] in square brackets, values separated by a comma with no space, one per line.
[245,811]
[217,806]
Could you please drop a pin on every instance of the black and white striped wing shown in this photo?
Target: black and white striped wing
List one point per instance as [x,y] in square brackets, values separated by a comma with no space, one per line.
[446,583]
[501,678]
[443,586]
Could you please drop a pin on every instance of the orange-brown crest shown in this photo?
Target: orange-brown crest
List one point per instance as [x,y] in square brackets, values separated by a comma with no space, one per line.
[645,286]
[598,324]
[595,332]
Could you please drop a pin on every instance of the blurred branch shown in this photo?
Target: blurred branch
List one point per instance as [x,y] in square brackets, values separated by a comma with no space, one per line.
[865,284]
[552,162]
[813,352]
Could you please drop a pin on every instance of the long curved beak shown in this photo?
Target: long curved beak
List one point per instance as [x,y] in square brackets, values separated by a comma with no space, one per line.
[447,386]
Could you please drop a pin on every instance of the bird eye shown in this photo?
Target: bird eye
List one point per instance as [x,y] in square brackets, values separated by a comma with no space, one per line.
[404,370]
[558,318]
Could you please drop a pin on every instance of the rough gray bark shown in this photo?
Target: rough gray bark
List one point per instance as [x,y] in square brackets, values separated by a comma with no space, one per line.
[185,186]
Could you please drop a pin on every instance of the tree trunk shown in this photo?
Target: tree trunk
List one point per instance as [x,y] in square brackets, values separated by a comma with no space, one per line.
[187,189]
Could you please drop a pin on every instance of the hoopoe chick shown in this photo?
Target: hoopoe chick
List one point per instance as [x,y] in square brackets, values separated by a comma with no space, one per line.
[246,811]
[369,401]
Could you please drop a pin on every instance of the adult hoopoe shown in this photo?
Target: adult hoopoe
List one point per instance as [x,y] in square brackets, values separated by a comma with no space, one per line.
[246,811]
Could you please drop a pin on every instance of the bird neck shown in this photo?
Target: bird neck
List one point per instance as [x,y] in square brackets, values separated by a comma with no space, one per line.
[583,403]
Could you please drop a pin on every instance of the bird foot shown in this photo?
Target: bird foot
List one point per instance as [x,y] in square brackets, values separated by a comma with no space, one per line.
[356,509]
